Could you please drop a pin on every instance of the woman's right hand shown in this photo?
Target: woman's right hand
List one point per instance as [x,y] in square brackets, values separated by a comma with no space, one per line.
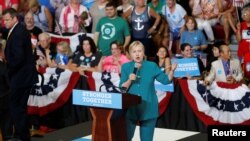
[132,77]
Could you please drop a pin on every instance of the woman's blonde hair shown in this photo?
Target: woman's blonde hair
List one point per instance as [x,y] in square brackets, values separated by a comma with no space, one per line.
[244,10]
[65,47]
[135,44]
[33,3]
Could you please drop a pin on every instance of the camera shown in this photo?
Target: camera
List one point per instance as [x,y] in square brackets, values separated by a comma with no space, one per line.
[246,34]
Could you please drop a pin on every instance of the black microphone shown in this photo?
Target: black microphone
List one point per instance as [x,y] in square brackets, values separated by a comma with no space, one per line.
[135,69]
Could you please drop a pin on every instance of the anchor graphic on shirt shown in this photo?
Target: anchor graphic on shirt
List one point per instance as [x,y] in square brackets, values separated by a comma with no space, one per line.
[139,26]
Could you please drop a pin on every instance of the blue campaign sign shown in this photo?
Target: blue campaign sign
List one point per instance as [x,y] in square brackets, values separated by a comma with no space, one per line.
[186,67]
[166,88]
[97,99]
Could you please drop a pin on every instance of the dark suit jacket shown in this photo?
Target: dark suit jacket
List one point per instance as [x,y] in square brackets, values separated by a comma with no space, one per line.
[4,85]
[20,59]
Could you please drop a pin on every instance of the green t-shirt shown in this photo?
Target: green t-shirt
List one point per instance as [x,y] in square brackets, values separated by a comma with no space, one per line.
[158,8]
[115,29]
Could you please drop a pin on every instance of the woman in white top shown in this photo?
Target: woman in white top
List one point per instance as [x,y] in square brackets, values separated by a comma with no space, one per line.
[175,15]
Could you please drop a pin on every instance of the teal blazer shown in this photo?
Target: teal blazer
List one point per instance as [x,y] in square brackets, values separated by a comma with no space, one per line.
[143,86]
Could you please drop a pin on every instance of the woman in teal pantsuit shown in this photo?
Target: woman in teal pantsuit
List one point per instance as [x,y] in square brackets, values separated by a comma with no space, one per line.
[142,84]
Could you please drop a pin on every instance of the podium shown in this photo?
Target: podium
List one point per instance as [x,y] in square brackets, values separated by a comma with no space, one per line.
[103,108]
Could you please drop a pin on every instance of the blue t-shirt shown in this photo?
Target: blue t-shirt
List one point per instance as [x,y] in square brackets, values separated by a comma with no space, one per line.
[195,38]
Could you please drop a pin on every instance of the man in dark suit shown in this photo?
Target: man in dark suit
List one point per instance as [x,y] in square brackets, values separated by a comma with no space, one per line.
[5,123]
[21,70]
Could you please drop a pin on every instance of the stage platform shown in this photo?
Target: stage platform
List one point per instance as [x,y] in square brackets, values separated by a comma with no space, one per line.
[82,131]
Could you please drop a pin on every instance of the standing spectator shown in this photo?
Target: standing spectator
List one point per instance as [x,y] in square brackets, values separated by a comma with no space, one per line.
[111,28]
[21,68]
[4,4]
[23,8]
[88,3]
[193,36]
[69,18]
[175,15]
[47,4]
[34,30]
[124,7]
[142,83]
[58,6]
[42,15]
[242,33]
[5,123]
[140,19]
[156,5]
[97,12]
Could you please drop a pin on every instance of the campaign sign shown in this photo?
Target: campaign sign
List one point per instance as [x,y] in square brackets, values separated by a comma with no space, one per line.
[186,67]
[165,88]
[97,99]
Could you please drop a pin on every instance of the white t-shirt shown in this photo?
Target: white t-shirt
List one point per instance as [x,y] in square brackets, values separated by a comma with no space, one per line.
[175,19]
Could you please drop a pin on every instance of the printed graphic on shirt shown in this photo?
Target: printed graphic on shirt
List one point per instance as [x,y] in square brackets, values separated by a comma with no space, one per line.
[108,31]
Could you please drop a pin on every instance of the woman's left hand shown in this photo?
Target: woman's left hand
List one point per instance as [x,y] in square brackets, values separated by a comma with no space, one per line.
[173,67]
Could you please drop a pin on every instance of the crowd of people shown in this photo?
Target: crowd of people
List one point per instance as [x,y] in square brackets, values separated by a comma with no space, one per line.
[126,34]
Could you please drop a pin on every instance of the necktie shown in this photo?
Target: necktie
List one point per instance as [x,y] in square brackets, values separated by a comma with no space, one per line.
[227,68]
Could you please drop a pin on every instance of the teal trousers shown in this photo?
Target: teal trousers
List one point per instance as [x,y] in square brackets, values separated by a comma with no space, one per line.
[146,129]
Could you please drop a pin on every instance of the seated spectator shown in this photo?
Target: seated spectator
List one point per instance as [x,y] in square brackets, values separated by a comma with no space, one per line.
[34,30]
[69,18]
[225,69]
[186,51]
[206,15]
[215,54]
[193,36]
[62,55]
[44,44]
[42,15]
[113,62]
[242,33]
[227,18]
[86,58]
[162,59]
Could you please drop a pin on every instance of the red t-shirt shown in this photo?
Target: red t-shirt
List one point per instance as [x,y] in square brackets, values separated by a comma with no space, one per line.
[244,45]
